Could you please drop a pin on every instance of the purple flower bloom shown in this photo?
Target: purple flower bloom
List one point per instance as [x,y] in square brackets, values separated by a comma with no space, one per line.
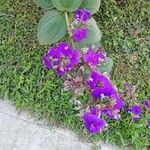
[136,118]
[92,123]
[128,110]
[100,85]
[118,103]
[147,104]
[108,112]
[47,59]
[64,48]
[62,59]
[80,34]
[136,111]
[92,57]
[83,15]
[148,122]
[94,110]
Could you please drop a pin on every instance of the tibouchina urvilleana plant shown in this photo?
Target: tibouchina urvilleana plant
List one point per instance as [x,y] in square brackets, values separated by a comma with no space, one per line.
[76,55]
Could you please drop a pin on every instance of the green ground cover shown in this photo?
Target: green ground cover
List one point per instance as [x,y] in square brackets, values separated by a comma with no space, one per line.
[23,80]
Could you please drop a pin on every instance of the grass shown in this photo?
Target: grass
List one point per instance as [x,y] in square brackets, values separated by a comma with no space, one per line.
[23,80]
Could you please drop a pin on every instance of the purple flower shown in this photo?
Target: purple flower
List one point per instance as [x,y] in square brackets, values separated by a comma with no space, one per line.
[100,85]
[128,110]
[118,103]
[62,59]
[83,15]
[80,34]
[136,111]
[94,111]
[92,123]
[48,59]
[92,57]
[137,118]
[64,48]
[108,112]
[148,122]
[147,104]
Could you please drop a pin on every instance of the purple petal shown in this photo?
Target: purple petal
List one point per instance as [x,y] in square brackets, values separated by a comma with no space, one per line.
[75,57]
[94,110]
[108,112]
[46,61]
[136,109]
[93,79]
[92,123]
[147,104]
[100,85]
[97,92]
[60,72]
[137,118]
[52,52]
[128,110]
[119,103]
[91,57]
[64,48]
[148,122]
[82,15]
[80,34]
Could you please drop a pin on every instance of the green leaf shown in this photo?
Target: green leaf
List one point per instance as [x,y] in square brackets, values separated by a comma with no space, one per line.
[67,5]
[47,4]
[52,27]
[92,5]
[94,33]
[106,66]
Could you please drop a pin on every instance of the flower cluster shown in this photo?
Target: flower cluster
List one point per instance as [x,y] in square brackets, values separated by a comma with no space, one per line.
[61,58]
[80,33]
[105,102]
[83,15]
[100,85]
[135,111]
[93,123]
[92,57]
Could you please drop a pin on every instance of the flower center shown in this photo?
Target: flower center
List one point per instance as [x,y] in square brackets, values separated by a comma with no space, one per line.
[100,84]
[64,62]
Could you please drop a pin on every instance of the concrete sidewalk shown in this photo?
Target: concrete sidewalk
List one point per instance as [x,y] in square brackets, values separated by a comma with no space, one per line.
[22,132]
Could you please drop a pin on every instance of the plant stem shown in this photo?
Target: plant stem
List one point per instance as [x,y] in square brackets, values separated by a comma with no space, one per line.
[69,29]
[68,24]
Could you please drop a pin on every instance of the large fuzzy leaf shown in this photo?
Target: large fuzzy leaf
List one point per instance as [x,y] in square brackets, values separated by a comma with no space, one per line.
[47,4]
[67,5]
[52,27]
[92,5]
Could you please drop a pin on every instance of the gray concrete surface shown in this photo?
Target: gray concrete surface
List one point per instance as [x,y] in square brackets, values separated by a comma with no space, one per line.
[19,131]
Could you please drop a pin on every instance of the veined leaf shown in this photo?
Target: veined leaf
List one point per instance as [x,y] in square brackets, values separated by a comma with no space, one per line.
[67,5]
[52,27]
[92,5]
[47,4]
